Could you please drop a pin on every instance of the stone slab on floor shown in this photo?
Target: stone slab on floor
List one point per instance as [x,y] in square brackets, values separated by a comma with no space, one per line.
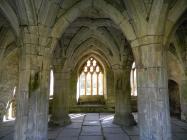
[8,137]
[131,131]
[91,138]
[111,130]
[134,137]
[67,138]
[109,124]
[97,127]
[77,118]
[116,137]
[90,117]
[74,125]
[69,132]
[91,123]
[91,130]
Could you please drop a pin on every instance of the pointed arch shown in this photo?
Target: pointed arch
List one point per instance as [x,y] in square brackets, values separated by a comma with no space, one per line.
[10,15]
[66,19]
[174,18]
[89,74]
[90,45]
[85,35]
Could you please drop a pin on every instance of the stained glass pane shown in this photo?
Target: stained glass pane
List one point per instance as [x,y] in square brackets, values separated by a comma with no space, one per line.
[88,84]
[82,84]
[100,84]
[94,63]
[94,78]
[88,63]
[85,69]
[91,69]
[97,69]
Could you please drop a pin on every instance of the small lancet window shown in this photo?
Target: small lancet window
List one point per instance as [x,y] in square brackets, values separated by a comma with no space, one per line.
[133,81]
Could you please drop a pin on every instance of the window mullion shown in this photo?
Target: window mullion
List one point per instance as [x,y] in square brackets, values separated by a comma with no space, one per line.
[97,85]
[103,83]
[85,84]
[91,87]
[79,81]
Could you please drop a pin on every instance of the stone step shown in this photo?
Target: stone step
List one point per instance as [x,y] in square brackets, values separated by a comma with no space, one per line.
[92,108]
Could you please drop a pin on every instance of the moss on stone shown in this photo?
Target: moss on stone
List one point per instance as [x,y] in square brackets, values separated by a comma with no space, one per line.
[33,83]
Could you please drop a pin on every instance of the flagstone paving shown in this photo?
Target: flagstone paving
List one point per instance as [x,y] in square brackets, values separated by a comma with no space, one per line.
[95,126]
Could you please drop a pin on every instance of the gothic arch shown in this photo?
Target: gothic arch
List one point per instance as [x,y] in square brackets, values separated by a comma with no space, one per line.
[174,98]
[88,35]
[9,77]
[175,69]
[66,19]
[103,65]
[90,47]
[10,15]
[85,48]
[175,18]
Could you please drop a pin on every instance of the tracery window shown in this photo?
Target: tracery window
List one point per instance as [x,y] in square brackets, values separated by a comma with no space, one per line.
[90,81]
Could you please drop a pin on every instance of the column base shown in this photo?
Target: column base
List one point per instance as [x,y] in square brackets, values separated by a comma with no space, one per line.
[60,122]
[124,120]
[184,116]
[1,118]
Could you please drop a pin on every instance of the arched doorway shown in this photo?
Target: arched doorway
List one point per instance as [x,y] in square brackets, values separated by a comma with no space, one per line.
[174,98]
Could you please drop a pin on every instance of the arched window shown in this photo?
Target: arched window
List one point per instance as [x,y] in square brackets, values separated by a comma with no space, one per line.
[11,107]
[51,90]
[90,80]
[133,81]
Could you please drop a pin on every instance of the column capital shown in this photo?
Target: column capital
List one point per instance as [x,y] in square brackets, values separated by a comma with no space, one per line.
[40,30]
[147,40]
[120,68]
[35,35]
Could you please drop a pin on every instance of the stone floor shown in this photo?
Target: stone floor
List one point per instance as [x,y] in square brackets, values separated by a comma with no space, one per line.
[95,126]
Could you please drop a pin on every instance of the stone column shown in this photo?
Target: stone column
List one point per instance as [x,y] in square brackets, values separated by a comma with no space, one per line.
[60,100]
[123,115]
[33,89]
[2,110]
[152,87]
[183,91]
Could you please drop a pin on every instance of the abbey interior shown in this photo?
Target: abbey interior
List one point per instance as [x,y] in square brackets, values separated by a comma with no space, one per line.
[93,70]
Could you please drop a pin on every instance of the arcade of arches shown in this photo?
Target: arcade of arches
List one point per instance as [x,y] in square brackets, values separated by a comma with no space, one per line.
[93,56]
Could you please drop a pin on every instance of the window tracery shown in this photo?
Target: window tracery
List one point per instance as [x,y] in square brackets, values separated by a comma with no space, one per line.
[91,78]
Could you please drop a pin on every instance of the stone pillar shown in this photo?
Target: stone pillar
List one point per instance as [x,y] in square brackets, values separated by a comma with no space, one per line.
[33,89]
[183,91]
[123,115]
[152,89]
[60,100]
[2,110]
